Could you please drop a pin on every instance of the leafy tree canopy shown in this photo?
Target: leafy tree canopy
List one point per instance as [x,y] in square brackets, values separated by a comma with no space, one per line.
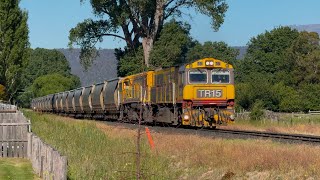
[310,97]
[267,55]
[14,45]
[52,83]
[130,62]
[43,62]
[168,51]
[137,19]
[281,69]
[305,52]
[218,50]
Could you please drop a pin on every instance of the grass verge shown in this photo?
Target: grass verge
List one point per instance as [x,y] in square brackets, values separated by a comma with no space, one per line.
[92,154]
[98,151]
[286,123]
[14,168]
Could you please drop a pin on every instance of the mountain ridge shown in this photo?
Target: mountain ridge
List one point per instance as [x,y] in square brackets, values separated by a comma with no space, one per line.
[104,67]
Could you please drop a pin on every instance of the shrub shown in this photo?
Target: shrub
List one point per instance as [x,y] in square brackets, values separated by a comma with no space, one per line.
[257,110]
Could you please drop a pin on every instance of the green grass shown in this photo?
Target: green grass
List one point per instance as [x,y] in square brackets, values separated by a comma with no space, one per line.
[284,119]
[92,154]
[13,168]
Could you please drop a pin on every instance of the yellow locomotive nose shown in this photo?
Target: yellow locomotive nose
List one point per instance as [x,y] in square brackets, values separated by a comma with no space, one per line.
[207,117]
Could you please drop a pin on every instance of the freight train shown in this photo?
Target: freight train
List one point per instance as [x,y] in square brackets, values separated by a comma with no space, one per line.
[197,94]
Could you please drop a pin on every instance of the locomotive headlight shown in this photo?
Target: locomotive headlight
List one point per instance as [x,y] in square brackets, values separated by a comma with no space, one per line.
[209,63]
[232,117]
[186,117]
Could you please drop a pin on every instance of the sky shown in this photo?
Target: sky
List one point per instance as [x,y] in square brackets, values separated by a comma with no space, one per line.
[50,20]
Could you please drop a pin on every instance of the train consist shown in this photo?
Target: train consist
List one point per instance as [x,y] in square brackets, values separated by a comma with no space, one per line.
[199,94]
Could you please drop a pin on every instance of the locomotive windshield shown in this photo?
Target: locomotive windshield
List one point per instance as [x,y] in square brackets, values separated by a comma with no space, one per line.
[220,76]
[198,76]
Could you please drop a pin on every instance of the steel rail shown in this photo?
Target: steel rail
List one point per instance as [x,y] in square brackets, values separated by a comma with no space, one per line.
[271,135]
[223,133]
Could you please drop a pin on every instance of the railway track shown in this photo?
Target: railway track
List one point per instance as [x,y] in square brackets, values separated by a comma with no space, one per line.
[295,138]
[230,134]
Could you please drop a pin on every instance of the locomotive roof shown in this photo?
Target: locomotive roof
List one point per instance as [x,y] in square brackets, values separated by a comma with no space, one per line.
[216,63]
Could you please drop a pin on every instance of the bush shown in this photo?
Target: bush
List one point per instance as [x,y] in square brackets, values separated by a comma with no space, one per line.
[257,110]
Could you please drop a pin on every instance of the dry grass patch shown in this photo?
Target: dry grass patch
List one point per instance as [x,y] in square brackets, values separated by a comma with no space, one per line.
[237,155]
[214,158]
[269,126]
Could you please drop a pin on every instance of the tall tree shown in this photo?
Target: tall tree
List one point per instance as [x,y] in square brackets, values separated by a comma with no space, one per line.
[14,45]
[170,51]
[305,51]
[43,62]
[137,19]
[53,83]
[267,55]
[264,65]
[218,50]
[167,51]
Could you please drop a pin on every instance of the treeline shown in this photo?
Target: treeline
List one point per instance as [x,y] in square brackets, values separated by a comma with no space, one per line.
[27,73]
[46,72]
[280,71]
[43,72]
[174,46]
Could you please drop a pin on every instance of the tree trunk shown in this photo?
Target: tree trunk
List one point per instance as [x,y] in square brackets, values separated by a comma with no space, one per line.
[157,22]
[147,44]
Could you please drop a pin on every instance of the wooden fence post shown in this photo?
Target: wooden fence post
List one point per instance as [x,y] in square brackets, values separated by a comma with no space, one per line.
[17,140]
[29,148]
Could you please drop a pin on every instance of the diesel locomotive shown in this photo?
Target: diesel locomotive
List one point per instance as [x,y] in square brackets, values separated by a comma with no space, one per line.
[198,94]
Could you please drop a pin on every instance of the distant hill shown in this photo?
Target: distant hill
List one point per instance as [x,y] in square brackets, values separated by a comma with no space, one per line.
[242,51]
[307,27]
[103,68]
